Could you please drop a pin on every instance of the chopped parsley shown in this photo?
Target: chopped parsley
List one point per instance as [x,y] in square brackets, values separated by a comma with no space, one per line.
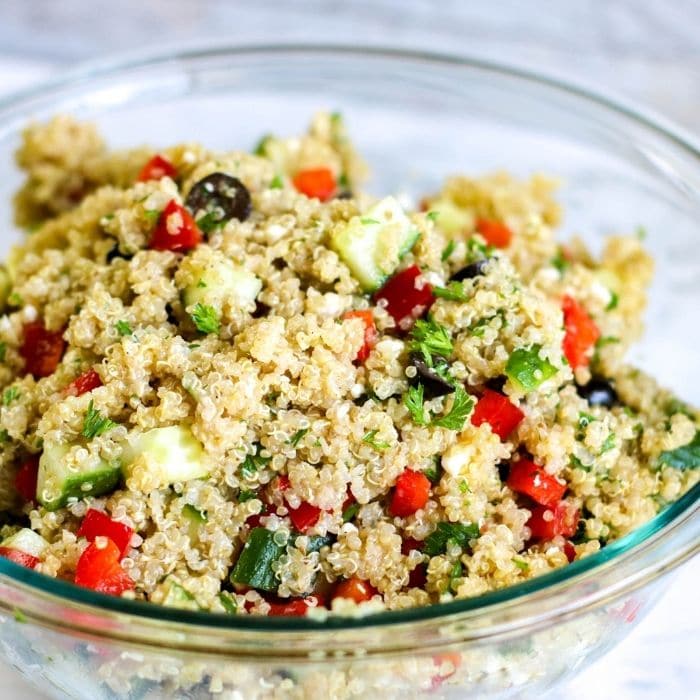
[462,405]
[123,328]
[350,512]
[560,262]
[413,399]
[152,215]
[430,338]
[344,181]
[3,351]
[456,573]
[10,394]
[206,319]
[15,299]
[4,436]
[370,439]
[449,249]
[585,419]
[434,473]
[458,533]
[210,222]
[464,486]
[246,495]
[609,444]
[522,565]
[367,221]
[201,284]
[683,457]
[276,183]
[252,463]
[614,300]
[296,438]
[477,250]
[432,216]
[454,291]
[95,424]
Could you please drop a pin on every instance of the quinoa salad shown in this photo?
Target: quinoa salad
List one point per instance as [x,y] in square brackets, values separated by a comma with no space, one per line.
[235,382]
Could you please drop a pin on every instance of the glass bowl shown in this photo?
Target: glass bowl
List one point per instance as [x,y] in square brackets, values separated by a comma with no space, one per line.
[416,117]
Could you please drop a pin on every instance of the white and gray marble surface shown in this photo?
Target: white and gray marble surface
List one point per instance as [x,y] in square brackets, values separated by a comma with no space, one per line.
[643,50]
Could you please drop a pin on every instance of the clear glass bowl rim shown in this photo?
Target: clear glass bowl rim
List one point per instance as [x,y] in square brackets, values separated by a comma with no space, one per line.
[676,521]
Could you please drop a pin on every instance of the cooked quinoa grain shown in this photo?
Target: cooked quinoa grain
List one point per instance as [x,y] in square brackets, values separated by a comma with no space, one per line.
[233,382]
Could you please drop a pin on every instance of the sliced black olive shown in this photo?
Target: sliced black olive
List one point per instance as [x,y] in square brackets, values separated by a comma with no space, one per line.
[472,270]
[503,471]
[496,384]
[344,194]
[598,392]
[217,198]
[261,310]
[116,253]
[434,384]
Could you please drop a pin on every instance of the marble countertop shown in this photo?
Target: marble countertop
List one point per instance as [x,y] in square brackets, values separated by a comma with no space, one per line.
[648,52]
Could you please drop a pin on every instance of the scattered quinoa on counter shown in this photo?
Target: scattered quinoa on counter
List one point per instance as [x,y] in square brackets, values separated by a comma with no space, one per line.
[234,382]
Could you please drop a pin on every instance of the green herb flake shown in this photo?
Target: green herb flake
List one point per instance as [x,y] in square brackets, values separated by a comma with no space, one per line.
[206,319]
[448,250]
[246,495]
[460,533]
[152,215]
[19,616]
[434,473]
[15,299]
[609,444]
[367,221]
[95,424]
[433,216]
[296,438]
[228,603]
[350,512]
[252,463]
[527,370]
[261,146]
[276,183]
[3,351]
[522,565]
[464,486]
[201,284]
[430,338]
[477,250]
[462,405]
[614,300]
[413,400]
[456,573]
[454,291]
[370,439]
[585,419]
[123,328]
[4,436]
[210,222]
[344,181]
[684,457]
[560,262]
[10,394]
[674,406]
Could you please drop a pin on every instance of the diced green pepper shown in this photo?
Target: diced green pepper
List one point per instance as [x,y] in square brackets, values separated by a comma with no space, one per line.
[254,565]
[527,370]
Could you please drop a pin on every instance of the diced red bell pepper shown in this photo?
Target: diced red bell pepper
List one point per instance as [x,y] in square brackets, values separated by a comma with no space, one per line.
[410,494]
[532,480]
[99,569]
[499,412]
[293,607]
[370,332]
[409,544]
[19,557]
[580,333]
[495,233]
[405,298]
[560,519]
[355,589]
[84,383]
[418,577]
[305,516]
[26,478]
[570,551]
[98,524]
[41,349]
[157,168]
[315,182]
[176,229]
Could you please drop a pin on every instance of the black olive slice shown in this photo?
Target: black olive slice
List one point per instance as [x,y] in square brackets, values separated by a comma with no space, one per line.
[434,384]
[472,270]
[496,384]
[217,198]
[598,392]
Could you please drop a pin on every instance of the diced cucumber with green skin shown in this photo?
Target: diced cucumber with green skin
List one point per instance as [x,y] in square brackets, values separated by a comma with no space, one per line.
[170,455]
[57,482]
[527,370]
[451,219]
[254,565]
[27,541]
[196,519]
[177,597]
[220,281]
[5,286]
[373,244]
[228,602]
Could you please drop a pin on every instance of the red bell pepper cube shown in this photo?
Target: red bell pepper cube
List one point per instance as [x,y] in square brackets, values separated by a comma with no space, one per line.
[305,516]
[367,318]
[495,233]
[580,333]
[19,557]
[546,523]
[41,349]
[84,383]
[355,589]
[405,297]
[99,569]
[26,478]
[176,229]
[157,168]
[411,493]
[98,524]
[570,551]
[530,479]
[418,577]
[499,412]
[293,607]
[316,183]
